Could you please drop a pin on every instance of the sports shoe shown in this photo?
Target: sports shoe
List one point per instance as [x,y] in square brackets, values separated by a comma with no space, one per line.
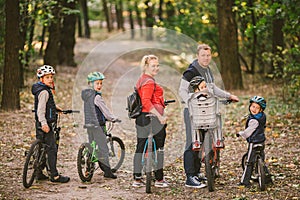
[201,177]
[60,179]
[109,174]
[138,183]
[162,183]
[192,181]
[41,177]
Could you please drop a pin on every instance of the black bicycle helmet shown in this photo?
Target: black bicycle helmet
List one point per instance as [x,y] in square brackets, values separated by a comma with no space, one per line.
[260,101]
[196,81]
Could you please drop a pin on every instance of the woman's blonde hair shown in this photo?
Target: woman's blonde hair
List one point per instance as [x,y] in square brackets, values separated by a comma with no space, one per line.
[146,59]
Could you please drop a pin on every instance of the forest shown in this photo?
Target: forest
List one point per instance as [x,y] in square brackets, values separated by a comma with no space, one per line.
[255,47]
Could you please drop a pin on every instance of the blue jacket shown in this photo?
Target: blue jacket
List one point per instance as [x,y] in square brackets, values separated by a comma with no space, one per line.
[258,136]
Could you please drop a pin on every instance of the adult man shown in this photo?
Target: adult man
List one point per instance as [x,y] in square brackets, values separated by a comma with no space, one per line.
[199,67]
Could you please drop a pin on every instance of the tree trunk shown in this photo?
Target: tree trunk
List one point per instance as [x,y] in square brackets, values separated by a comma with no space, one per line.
[277,41]
[254,41]
[42,40]
[52,49]
[230,67]
[11,75]
[149,19]
[87,32]
[131,22]
[138,17]
[107,16]
[67,43]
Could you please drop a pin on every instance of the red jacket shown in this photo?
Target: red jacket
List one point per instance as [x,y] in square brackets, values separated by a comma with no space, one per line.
[152,94]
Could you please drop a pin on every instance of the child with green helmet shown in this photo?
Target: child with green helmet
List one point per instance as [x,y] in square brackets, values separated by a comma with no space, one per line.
[254,133]
[96,113]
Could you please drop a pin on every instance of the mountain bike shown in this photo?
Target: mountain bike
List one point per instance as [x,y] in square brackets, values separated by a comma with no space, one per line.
[149,156]
[87,154]
[36,157]
[207,124]
[258,172]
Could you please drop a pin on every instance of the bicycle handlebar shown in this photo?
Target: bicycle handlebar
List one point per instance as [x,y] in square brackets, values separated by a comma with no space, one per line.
[65,111]
[169,101]
[69,111]
[226,101]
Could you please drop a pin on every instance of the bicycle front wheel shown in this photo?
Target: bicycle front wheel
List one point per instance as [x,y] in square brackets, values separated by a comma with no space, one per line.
[31,163]
[116,153]
[209,162]
[85,166]
[261,174]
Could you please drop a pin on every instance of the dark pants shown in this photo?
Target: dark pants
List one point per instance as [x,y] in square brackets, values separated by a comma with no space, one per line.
[250,163]
[50,141]
[97,135]
[143,129]
[191,159]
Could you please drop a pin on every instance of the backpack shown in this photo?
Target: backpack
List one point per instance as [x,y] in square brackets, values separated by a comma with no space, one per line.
[134,104]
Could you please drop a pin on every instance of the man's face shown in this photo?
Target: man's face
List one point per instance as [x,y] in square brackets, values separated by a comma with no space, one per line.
[204,57]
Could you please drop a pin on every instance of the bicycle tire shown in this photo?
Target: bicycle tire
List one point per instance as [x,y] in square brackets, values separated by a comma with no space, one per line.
[116,153]
[261,174]
[244,160]
[209,159]
[149,166]
[31,164]
[217,164]
[85,166]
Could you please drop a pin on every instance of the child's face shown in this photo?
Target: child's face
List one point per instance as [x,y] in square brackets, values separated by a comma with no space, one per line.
[48,80]
[202,86]
[98,85]
[255,108]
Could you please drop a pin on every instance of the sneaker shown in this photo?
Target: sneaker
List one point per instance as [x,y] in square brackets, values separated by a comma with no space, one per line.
[60,179]
[110,175]
[248,185]
[161,183]
[138,183]
[192,181]
[201,177]
[41,177]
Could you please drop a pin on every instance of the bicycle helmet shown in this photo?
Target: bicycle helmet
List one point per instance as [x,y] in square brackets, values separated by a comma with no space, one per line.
[260,101]
[43,70]
[93,76]
[196,81]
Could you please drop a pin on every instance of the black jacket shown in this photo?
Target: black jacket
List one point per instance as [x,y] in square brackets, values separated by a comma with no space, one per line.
[51,113]
[258,136]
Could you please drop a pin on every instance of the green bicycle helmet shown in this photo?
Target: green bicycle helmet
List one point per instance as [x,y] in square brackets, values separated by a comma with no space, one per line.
[94,76]
[260,101]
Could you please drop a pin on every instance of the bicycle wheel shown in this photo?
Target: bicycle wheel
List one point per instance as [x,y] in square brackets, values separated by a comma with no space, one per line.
[209,162]
[261,174]
[244,160]
[85,166]
[116,153]
[149,165]
[31,163]
[216,164]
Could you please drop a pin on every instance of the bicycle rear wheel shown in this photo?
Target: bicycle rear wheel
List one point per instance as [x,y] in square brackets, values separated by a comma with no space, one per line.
[85,166]
[116,153]
[31,163]
[149,165]
[261,174]
[209,162]
[244,160]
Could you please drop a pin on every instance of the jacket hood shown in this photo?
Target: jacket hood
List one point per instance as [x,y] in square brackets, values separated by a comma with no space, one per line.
[87,94]
[37,87]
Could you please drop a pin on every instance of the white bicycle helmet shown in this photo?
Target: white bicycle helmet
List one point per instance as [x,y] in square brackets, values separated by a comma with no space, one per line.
[43,70]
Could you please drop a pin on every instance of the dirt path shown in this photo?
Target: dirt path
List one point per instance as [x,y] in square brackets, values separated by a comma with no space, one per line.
[17,133]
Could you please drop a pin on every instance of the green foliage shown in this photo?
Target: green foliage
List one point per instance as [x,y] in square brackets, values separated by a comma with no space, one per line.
[197,19]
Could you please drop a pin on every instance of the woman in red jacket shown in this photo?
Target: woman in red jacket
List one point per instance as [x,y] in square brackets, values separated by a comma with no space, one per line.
[151,95]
